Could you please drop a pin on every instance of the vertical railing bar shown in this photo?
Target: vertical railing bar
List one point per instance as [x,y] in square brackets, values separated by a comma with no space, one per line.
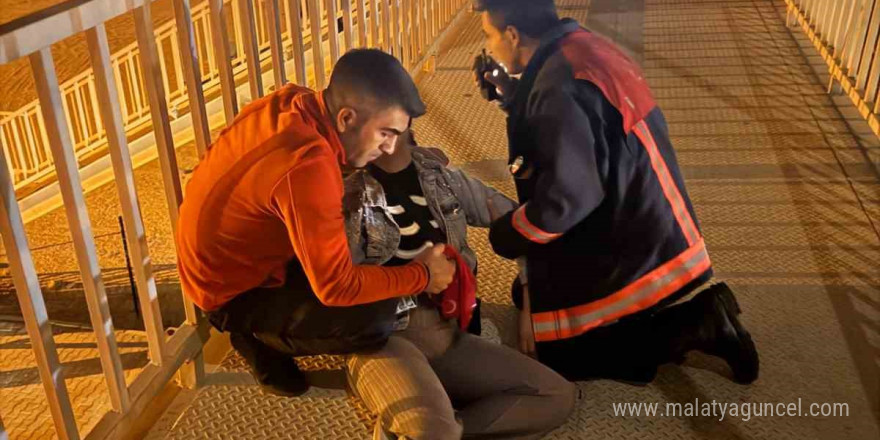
[125,87]
[404,30]
[435,6]
[44,136]
[236,29]
[179,86]
[429,21]
[835,20]
[220,43]
[272,17]
[142,91]
[159,113]
[426,28]
[294,23]
[190,63]
[193,372]
[160,50]
[416,26]
[822,25]
[374,23]
[347,25]
[317,42]
[869,50]
[80,226]
[840,52]
[16,139]
[387,39]
[396,35]
[867,76]
[31,156]
[81,117]
[857,40]
[870,90]
[108,103]
[24,275]
[362,23]
[136,89]
[252,52]
[24,155]
[332,30]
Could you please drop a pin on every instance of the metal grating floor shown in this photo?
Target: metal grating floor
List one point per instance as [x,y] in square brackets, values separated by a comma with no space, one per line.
[789,206]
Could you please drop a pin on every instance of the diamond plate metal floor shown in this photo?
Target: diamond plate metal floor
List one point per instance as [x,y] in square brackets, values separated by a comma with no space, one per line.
[789,207]
[22,400]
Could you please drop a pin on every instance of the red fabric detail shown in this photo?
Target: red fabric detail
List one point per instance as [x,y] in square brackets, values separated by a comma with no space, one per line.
[459,299]
[596,59]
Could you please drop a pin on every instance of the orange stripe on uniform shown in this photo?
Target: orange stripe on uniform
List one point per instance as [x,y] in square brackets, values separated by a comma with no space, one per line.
[670,189]
[639,295]
[533,233]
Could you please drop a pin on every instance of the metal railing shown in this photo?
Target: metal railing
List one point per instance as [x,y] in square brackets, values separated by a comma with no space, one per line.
[847,34]
[173,68]
[22,132]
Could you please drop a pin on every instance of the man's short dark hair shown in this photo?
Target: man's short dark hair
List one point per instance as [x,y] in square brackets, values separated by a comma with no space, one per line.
[372,78]
[530,17]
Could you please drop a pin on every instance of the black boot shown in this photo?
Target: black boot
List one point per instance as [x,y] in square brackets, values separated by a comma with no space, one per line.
[276,372]
[709,323]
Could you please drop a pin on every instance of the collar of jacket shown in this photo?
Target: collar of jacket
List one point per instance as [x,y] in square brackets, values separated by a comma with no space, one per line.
[545,49]
[373,193]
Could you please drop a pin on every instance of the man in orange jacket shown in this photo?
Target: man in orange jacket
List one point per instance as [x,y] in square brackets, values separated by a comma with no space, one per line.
[261,240]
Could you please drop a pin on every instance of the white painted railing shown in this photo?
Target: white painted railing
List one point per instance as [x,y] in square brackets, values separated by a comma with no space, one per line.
[22,133]
[847,34]
[166,71]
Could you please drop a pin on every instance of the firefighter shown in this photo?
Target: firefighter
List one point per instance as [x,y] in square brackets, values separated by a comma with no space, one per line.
[611,239]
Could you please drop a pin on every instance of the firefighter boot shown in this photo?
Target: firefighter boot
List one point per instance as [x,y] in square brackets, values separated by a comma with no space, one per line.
[709,323]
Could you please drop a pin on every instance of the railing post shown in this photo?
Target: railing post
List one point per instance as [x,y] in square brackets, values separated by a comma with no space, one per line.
[402,32]
[80,228]
[374,23]
[272,17]
[386,25]
[220,42]
[153,76]
[194,372]
[317,43]
[362,23]
[27,289]
[347,31]
[332,31]
[125,187]
[252,51]
[190,62]
[294,24]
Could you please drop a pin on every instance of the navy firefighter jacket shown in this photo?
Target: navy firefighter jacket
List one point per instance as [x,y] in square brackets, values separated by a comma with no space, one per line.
[604,217]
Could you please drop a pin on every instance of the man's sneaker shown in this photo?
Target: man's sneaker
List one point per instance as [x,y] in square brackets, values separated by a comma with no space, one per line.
[275,372]
[723,334]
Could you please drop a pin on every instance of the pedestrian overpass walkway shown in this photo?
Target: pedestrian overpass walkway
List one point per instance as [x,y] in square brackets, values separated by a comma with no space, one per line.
[789,205]
[783,179]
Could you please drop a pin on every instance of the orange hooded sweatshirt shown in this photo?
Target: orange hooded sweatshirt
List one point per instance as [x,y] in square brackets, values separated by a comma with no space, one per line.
[270,190]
